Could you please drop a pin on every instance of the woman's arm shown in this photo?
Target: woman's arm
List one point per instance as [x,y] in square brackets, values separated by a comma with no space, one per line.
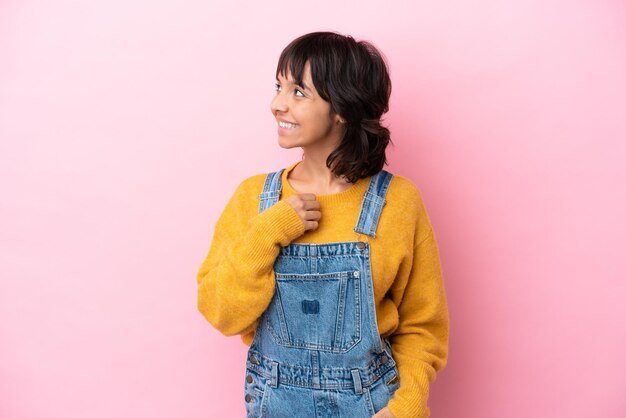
[420,343]
[236,280]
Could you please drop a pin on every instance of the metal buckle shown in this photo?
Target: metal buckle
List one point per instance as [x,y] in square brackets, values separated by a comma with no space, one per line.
[361,244]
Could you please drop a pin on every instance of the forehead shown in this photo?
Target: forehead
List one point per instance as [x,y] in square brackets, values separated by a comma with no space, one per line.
[286,73]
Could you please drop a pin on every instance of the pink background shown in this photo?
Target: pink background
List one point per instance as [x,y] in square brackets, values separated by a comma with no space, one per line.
[125,126]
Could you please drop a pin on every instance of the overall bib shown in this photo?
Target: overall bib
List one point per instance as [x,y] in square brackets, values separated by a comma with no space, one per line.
[317,351]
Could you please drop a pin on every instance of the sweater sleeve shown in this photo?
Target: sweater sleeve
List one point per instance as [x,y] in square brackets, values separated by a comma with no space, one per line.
[236,280]
[420,343]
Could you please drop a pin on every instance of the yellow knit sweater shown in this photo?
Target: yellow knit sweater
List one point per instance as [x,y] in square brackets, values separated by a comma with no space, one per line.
[236,280]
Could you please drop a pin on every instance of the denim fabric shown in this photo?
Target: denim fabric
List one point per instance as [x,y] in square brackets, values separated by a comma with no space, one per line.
[317,351]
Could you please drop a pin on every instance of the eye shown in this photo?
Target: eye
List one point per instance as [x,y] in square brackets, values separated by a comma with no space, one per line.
[299,91]
[277,86]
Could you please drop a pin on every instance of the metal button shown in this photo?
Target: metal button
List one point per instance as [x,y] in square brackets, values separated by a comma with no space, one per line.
[384,359]
[249,379]
[248,397]
[356,273]
[254,360]
[360,245]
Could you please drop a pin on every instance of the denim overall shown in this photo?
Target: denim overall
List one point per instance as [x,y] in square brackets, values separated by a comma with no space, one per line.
[317,351]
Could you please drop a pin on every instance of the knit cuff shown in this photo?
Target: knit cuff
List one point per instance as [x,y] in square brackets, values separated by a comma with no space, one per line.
[400,411]
[411,398]
[279,223]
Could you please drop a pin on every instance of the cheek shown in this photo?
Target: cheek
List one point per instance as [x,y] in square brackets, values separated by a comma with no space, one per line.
[325,123]
[321,119]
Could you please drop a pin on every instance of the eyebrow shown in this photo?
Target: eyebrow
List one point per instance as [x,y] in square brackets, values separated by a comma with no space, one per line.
[295,84]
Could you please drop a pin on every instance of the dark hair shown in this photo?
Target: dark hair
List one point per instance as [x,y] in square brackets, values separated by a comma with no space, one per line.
[352,76]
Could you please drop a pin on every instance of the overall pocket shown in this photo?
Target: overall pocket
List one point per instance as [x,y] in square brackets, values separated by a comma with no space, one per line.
[381,392]
[316,311]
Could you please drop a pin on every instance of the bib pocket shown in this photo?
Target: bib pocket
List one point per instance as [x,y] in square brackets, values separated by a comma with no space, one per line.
[316,311]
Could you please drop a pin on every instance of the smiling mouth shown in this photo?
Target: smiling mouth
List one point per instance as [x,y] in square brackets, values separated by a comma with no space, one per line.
[287,125]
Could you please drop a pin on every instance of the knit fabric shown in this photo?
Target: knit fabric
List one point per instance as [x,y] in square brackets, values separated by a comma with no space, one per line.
[236,280]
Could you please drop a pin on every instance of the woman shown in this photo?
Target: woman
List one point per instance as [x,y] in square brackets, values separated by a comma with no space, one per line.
[329,269]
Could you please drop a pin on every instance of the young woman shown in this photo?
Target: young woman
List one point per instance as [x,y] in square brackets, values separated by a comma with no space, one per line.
[329,269]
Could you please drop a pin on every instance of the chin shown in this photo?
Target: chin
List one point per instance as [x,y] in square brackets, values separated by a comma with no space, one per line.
[286,144]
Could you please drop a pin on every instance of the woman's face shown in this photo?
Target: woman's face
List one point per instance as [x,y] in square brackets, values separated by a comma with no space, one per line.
[304,118]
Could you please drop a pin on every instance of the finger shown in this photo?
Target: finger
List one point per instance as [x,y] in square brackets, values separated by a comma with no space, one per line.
[312,215]
[310,225]
[311,205]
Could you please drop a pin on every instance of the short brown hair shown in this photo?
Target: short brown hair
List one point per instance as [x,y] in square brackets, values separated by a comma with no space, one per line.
[353,77]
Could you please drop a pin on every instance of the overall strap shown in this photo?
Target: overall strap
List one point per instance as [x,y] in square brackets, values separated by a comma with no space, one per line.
[271,190]
[372,204]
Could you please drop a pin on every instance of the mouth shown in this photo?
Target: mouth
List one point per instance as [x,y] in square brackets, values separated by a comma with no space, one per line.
[287,125]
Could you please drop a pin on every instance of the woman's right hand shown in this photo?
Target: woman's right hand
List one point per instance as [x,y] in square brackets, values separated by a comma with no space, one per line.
[307,207]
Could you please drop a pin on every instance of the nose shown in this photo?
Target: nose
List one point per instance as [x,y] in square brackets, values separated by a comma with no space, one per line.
[279,103]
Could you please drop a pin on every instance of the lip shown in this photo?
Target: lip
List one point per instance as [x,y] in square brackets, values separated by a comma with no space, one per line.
[286,121]
[286,131]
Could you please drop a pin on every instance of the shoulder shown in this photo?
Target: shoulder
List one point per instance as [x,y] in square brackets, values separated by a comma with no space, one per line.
[404,190]
[405,199]
[244,200]
[404,183]
[250,188]
[252,183]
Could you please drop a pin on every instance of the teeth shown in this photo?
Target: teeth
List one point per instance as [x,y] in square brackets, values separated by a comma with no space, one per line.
[287,125]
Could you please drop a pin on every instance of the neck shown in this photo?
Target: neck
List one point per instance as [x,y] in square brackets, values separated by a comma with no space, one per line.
[313,169]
